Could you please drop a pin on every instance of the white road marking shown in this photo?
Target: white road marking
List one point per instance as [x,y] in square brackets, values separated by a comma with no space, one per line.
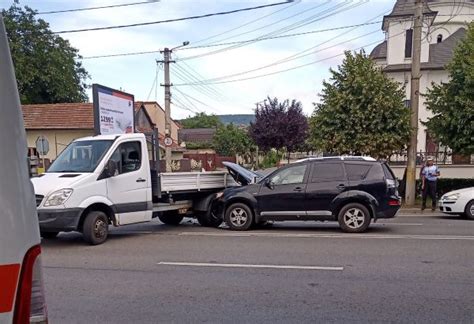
[346,236]
[257,266]
[397,224]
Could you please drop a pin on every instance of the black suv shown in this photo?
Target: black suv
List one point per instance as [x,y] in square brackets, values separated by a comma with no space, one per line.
[350,190]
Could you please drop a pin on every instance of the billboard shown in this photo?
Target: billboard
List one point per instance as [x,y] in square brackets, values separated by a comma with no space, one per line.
[113,111]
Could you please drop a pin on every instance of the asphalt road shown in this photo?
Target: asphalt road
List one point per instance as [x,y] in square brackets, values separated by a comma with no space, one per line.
[410,269]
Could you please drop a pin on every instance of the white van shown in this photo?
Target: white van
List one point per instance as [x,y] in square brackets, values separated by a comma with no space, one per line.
[21,284]
[105,180]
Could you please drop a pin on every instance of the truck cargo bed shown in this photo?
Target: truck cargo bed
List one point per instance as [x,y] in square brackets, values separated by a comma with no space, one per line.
[195,181]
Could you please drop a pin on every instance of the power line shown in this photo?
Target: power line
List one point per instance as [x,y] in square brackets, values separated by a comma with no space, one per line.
[182,76]
[298,66]
[155,83]
[120,54]
[189,101]
[328,12]
[232,43]
[183,106]
[246,24]
[297,55]
[207,90]
[95,8]
[196,100]
[282,36]
[188,73]
[290,58]
[280,20]
[175,19]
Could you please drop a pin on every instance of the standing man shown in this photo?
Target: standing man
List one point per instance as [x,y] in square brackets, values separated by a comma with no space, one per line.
[429,177]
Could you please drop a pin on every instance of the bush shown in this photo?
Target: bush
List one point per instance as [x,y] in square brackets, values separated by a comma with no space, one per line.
[199,145]
[444,185]
[271,159]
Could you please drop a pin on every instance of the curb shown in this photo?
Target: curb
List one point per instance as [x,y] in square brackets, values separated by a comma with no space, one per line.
[418,212]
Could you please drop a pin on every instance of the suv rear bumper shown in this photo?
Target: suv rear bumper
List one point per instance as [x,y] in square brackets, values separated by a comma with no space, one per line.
[389,212]
[57,220]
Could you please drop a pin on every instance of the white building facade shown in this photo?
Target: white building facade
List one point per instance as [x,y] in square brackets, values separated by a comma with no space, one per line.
[444,24]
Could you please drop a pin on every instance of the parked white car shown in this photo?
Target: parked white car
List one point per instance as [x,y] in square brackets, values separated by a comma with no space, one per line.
[460,202]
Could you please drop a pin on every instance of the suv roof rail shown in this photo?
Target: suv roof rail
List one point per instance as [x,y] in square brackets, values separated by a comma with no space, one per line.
[342,158]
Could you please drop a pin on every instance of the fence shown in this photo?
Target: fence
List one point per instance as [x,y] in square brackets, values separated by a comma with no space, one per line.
[207,161]
[440,158]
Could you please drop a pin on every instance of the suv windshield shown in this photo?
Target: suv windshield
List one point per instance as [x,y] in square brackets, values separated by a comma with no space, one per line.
[81,156]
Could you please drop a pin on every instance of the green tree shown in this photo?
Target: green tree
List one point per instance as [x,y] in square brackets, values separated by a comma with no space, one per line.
[361,111]
[201,120]
[279,124]
[45,64]
[230,140]
[452,103]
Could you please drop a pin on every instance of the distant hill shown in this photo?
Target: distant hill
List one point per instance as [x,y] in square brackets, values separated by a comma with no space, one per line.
[241,119]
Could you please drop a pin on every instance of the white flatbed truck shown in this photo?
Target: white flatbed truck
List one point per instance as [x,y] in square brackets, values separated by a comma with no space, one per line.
[107,180]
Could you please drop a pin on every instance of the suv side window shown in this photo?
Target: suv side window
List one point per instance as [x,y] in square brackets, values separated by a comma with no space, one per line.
[357,171]
[324,172]
[128,157]
[291,175]
[388,172]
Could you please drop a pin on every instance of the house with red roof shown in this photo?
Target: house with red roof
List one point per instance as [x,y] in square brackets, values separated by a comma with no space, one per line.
[64,122]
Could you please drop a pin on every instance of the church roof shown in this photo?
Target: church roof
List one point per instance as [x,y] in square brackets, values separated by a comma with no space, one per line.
[406,8]
[440,54]
[379,51]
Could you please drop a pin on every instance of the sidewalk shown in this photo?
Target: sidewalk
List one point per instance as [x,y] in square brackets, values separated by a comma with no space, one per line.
[416,211]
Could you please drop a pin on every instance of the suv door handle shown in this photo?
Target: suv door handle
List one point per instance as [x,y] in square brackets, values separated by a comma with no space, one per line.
[298,189]
[340,186]
[141,180]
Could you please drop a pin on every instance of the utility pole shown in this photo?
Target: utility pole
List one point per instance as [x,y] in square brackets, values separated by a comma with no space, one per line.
[414,102]
[167,85]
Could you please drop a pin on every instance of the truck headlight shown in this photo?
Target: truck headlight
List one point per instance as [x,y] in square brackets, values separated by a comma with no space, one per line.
[58,197]
[451,197]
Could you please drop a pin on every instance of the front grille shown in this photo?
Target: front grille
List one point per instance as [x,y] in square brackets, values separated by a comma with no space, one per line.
[39,199]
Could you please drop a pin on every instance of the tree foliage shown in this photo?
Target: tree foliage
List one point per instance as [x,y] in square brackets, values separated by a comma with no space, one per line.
[199,145]
[452,103]
[279,125]
[201,120]
[231,140]
[45,64]
[362,111]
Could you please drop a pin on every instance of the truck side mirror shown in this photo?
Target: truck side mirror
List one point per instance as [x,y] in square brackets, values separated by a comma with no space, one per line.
[109,170]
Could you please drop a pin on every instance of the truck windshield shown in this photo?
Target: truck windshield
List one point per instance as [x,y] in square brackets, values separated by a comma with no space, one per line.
[81,156]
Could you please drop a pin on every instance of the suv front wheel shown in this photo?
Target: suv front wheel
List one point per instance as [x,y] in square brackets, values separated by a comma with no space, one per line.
[354,218]
[238,217]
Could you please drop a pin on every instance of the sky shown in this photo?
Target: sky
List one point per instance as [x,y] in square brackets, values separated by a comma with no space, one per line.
[225,79]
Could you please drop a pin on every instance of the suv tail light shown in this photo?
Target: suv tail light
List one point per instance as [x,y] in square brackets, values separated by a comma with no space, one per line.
[30,304]
[394,202]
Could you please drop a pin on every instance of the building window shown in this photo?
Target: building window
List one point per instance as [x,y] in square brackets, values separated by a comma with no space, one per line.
[439,39]
[407,103]
[408,42]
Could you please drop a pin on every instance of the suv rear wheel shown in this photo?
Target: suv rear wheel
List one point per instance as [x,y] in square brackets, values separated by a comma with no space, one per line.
[354,218]
[238,217]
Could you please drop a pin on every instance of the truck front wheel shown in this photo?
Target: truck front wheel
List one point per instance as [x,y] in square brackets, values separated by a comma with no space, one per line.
[171,218]
[96,228]
[208,218]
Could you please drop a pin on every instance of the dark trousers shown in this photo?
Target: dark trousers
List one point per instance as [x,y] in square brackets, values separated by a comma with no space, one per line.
[429,190]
